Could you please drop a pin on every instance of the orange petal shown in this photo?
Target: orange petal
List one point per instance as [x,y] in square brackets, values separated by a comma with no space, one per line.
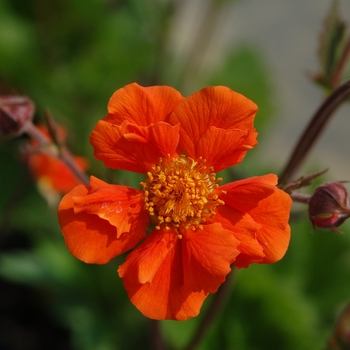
[207,256]
[273,214]
[63,179]
[268,207]
[223,148]
[119,205]
[50,172]
[142,106]
[56,173]
[61,133]
[153,278]
[146,260]
[213,106]
[169,278]
[98,228]
[244,229]
[131,147]
[246,194]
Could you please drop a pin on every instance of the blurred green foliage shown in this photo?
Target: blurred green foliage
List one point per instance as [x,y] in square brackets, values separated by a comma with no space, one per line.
[69,57]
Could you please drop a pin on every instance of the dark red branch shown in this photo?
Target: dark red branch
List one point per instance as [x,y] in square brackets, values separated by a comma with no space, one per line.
[314,130]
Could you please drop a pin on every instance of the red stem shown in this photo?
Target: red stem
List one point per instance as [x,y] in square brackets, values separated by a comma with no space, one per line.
[218,300]
[157,338]
[341,65]
[64,154]
[314,130]
[300,197]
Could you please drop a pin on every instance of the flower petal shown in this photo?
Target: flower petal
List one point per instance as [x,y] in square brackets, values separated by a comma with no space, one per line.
[268,207]
[131,147]
[243,228]
[207,256]
[142,106]
[169,278]
[246,194]
[58,176]
[223,148]
[102,221]
[273,214]
[153,278]
[52,174]
[213,106]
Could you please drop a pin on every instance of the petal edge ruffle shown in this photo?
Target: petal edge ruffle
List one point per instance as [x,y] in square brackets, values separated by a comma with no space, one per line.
[142,106]
[93,239]
[168,278]
[269,207]
[218,107]
[134,148]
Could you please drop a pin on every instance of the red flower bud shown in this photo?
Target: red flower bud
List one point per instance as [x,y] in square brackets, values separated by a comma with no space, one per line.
[329,206]
[15,111]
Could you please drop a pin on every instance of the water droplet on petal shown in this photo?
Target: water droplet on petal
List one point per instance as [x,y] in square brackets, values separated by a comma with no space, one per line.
[118,209]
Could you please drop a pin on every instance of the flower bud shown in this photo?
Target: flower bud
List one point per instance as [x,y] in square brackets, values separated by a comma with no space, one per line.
[15,111]
[329,206]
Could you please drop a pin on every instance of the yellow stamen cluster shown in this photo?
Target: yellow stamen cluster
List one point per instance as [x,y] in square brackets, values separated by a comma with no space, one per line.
[181,191]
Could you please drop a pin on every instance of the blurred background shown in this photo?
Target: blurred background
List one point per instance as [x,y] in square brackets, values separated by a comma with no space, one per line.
[69,57]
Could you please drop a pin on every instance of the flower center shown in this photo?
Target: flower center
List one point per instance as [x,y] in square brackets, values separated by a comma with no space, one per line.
[181,192]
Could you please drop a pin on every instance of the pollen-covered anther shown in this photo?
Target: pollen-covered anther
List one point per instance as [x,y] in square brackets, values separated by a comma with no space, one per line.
[181,192]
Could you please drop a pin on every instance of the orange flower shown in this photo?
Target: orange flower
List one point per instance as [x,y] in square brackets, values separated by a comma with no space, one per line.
[197,228]
[54,178]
